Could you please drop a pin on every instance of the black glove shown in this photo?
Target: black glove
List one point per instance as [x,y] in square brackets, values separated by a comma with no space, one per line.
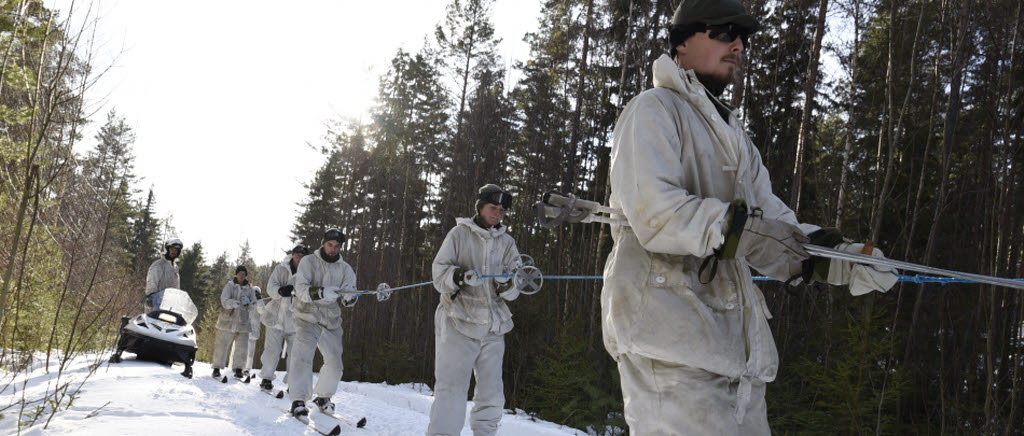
[816,267]
[285,291]
[459,277]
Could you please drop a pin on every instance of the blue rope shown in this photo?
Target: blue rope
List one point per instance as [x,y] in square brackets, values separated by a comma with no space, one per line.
[902,278]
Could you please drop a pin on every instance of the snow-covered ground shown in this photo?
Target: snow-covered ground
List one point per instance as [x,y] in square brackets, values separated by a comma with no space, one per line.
[144,398]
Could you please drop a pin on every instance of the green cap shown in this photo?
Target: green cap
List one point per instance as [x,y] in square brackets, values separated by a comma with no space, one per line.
[714,12]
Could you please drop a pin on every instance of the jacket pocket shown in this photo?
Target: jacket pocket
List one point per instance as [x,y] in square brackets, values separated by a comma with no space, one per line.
[667,271]
[468,306]
[680,273]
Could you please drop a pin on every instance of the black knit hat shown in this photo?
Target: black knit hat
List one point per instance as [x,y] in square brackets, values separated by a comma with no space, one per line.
[714,12]
[333,235]
[693,16]
[301,249]
[241,268]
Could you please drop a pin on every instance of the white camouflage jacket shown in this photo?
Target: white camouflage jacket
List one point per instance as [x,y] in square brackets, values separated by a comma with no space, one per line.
[234,316]
[675,167]
[315,271]
[162,274]
[477,310]
[278,314]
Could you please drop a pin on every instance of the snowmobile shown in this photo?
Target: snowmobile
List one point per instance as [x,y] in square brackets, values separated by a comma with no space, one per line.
[165,334]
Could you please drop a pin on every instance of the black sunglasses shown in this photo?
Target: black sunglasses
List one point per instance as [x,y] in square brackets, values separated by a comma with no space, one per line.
[728,33]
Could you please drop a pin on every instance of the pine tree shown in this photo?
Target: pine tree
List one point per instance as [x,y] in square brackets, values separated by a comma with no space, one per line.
[467,46]
[195,277]
[143,247]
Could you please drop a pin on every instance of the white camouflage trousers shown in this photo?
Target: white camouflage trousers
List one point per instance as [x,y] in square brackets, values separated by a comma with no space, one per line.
[222,345]
[272,344]
[308,338]
[253,336]
[664,398]
[456,357]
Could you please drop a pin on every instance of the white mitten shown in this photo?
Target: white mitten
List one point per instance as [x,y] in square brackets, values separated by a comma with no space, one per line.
[510,294]
[349,301]
[331,293]
[472,278]
[861,278]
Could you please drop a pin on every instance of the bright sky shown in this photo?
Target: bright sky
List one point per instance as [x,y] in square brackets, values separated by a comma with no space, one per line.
[224,97]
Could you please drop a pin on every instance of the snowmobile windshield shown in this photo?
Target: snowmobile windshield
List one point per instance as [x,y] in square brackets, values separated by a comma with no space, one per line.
[177,301]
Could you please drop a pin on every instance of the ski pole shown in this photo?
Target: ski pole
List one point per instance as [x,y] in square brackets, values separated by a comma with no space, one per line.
[907,266]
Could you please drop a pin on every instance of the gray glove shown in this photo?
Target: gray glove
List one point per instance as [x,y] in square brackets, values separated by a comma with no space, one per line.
[772,247]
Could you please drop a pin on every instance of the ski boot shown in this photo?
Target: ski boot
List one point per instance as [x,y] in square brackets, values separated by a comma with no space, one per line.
[299,408]
[188,371]
[116,357]
[216,373]
[238,374]
[266,385]
[324,404]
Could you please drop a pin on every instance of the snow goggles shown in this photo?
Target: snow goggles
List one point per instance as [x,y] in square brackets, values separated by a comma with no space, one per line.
[500,198]
[334,235]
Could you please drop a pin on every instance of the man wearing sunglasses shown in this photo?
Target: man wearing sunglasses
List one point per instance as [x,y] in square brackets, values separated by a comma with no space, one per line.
[472,318]
[680,312]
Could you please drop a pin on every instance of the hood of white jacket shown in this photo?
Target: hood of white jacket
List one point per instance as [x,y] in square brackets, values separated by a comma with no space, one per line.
[668,75]
[490,233]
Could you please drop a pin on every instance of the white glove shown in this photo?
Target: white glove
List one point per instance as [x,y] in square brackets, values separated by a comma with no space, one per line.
[472,278]
[349,301]
[330,293]
[510,294]
[231,304]
[861,278]
[245,301]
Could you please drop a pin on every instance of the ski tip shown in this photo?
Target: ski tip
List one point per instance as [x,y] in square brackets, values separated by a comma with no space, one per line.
[280,395]
[361,423]
[224,380]
[335,431]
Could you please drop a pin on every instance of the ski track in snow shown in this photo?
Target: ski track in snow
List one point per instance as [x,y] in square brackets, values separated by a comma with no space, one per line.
[146,398]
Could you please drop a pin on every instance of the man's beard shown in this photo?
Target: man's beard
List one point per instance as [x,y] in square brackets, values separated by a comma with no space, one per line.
[715,84]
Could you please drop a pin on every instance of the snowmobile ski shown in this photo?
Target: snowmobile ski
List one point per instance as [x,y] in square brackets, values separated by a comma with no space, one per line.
[309,423]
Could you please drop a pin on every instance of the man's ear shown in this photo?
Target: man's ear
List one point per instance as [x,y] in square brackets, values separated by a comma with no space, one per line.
[679,52]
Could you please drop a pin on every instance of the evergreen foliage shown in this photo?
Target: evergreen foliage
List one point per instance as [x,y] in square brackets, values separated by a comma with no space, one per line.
[913,142]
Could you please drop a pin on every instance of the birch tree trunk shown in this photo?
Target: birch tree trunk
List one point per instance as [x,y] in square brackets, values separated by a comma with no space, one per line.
[810,91]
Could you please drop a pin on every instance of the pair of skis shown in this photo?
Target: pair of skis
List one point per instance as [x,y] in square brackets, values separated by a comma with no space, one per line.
[335,431]
[305,418]
[224,379]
